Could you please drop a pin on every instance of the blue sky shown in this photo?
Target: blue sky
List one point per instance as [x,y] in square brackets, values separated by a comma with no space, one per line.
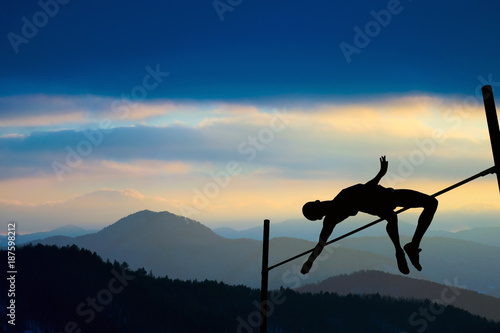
[260,49]
[181,93]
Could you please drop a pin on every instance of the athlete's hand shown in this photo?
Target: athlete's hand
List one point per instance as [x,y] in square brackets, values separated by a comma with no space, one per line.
[306,267]
[383,165]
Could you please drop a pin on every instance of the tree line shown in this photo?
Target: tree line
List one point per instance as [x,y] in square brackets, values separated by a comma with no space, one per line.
[73,290]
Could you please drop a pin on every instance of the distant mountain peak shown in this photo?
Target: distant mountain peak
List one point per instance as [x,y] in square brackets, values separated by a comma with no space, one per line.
[69,228]
[149,215]
[159,223]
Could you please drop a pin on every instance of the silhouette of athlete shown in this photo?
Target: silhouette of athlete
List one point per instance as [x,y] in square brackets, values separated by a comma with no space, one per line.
[376,200]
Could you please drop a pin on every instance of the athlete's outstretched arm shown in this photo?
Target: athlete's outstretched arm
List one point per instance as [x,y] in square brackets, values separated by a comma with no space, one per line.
[383,170]
[323,238]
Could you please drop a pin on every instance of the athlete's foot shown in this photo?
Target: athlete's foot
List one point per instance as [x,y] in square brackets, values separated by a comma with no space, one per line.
[413,253]
[402,265]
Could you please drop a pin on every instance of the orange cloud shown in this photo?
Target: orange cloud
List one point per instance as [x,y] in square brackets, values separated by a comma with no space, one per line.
[93,209]
[146,167]
[279,181]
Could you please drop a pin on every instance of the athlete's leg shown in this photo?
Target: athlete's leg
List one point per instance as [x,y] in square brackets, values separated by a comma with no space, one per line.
[414,199]
[392,231]
[411,199]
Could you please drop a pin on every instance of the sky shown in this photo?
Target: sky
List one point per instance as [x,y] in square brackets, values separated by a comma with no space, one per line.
[234,111]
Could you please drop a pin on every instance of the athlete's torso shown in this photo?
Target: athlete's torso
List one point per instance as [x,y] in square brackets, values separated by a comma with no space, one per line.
[375,200]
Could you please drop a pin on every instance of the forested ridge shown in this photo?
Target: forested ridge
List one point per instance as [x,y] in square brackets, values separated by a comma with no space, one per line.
[73,290]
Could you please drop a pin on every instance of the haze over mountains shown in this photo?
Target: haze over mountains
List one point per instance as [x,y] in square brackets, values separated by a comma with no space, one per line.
[68,230]
[182,248]
[304,229]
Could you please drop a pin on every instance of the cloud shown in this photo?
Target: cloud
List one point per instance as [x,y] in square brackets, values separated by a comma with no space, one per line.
[95,209]
[334,139]
[49,111]
[145,168]
[44,120]
[315,153]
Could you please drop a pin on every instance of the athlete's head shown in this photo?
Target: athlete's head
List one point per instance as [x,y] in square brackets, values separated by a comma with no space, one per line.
[314,210]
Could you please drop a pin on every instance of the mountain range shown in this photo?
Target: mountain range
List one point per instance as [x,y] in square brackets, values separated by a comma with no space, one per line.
[68,230]
[304,229]
[83,293]
[168,244]
[402,287]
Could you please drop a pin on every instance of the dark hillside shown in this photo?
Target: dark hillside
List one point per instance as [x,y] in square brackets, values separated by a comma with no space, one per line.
[68,287]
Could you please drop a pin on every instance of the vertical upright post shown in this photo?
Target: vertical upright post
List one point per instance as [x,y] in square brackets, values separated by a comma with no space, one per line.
[492,119]
[264,280]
